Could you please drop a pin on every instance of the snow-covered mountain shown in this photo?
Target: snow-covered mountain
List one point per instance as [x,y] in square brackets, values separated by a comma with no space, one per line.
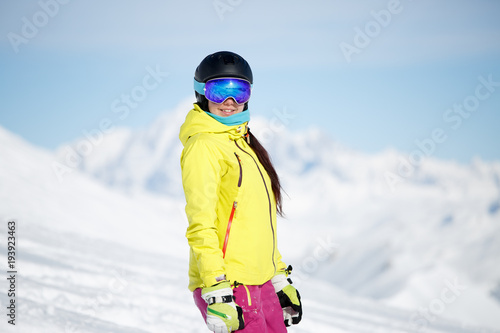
[131,161]
[378,244]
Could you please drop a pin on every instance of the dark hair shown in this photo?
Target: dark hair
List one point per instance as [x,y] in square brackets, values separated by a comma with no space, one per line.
[265,160]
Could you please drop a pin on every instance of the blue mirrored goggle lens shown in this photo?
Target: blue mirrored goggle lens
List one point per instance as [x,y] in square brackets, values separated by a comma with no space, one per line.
[218,90]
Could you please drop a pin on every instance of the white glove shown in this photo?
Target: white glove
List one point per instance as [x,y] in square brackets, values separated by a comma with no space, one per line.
[289,297]
[223,315]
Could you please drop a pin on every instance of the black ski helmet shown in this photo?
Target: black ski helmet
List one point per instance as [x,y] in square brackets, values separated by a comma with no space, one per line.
[221,64]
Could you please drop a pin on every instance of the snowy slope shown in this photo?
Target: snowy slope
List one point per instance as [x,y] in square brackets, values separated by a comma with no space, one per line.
[72,283]
[102,248]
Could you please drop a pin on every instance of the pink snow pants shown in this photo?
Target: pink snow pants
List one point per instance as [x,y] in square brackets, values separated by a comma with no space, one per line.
[261,308]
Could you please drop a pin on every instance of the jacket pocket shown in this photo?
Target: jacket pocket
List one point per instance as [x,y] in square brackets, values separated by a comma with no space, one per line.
[240,178]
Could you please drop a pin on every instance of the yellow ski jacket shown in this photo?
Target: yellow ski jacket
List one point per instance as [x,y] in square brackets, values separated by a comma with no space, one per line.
[230,205]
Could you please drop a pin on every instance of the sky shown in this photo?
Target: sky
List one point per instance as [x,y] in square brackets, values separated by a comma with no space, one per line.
[415,76]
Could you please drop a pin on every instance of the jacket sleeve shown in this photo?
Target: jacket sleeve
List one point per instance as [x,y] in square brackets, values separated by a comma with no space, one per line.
[201,178]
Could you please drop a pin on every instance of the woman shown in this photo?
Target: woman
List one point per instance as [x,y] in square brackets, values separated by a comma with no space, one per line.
[233,196]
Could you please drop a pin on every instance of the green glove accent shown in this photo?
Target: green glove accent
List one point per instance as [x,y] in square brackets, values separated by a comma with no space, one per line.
[292,294]
[223,315]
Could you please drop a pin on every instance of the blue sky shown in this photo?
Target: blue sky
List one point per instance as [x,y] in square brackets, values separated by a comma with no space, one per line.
[373,74]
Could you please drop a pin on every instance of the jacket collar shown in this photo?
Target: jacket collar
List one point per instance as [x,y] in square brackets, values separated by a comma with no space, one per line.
[197,121]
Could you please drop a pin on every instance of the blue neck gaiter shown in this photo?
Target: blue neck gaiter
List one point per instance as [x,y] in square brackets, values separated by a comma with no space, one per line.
[235,119]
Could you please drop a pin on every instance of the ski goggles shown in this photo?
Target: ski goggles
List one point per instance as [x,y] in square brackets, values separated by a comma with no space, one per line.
[218,90]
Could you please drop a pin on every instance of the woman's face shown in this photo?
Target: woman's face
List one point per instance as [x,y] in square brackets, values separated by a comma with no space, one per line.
[226,108]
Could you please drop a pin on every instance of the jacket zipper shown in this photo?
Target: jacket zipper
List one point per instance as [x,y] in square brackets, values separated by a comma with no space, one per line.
[268,199]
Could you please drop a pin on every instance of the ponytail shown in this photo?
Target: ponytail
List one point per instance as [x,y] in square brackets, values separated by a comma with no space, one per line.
[265,160]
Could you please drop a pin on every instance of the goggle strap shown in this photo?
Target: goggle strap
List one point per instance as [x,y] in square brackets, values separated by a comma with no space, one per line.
[199,87]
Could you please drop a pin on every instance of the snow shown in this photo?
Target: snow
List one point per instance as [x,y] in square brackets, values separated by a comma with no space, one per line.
[101,245]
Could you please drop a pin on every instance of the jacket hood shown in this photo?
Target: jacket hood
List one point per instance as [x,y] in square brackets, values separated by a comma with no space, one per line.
[197,121]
